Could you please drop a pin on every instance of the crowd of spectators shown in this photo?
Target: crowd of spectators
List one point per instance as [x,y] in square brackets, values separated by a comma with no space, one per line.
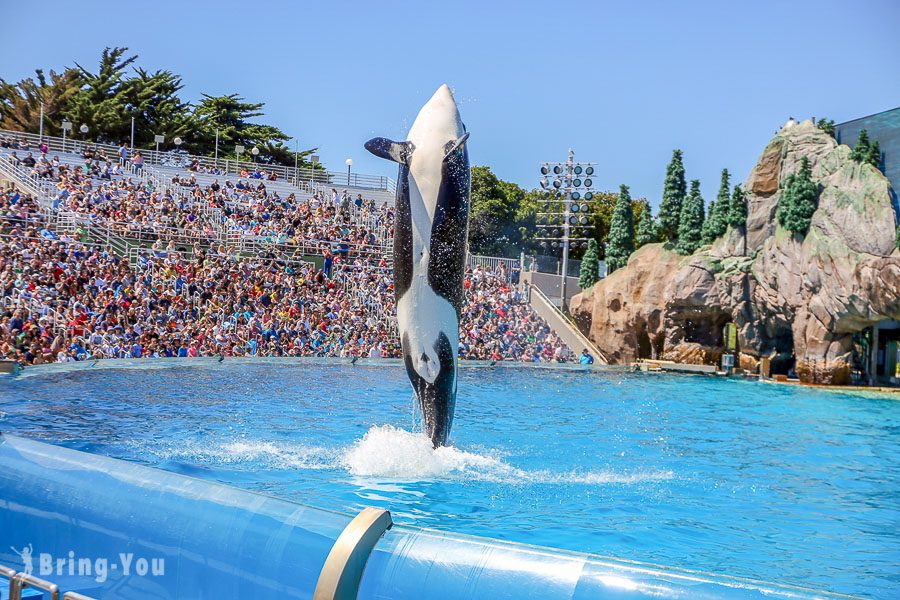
[67,300]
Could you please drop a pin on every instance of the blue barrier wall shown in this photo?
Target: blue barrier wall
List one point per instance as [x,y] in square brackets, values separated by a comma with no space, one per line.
[79,509]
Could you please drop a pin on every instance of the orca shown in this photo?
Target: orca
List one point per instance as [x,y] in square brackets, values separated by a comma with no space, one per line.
[431,229]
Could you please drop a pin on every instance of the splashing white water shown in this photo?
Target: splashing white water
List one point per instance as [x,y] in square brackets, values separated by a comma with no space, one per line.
[389,453]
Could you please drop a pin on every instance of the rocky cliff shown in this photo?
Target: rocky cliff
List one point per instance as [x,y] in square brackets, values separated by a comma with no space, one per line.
[789,296]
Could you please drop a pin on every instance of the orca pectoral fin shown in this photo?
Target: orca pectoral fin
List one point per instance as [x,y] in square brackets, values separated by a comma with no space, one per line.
[398,152]
[454,145]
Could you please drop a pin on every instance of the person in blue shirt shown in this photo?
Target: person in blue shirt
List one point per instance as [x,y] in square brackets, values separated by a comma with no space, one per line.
[586,358]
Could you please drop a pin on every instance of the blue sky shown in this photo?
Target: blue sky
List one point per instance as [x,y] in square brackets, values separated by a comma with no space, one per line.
[623,83]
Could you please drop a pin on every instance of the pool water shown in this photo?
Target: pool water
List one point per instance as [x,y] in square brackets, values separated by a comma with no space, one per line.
[779,483]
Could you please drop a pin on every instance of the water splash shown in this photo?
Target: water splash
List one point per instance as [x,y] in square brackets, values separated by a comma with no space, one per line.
[388,453]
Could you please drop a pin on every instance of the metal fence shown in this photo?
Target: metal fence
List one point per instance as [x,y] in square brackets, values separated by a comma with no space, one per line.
[182,160]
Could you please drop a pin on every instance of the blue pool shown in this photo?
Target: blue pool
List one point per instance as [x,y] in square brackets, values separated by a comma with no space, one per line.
[755,480]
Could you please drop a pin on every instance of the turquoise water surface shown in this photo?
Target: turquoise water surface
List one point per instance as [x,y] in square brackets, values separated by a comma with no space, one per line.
[779,483]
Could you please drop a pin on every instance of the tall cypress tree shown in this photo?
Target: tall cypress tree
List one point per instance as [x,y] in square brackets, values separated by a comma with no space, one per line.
[646,229]
[737,213]
[674,190]
[717,222]
[690,226]
[620,243]
[798,200]
[590,269]
[737,208]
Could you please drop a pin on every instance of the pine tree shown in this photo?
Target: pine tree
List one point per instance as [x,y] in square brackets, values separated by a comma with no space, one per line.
[737,208]
[717,222]
[737,214]
[798,200]
[620,243]
[690,226]
[861,151]
[590,269]
[674,190]
[826,125]
[646,229]
[873,155]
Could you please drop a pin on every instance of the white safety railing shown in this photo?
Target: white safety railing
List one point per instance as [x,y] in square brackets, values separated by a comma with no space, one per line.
[296,176]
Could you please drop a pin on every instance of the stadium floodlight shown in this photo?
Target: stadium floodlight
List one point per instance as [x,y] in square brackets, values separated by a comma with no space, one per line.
[567,221]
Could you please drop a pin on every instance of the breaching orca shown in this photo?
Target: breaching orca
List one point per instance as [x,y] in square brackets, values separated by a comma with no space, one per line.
[431,228]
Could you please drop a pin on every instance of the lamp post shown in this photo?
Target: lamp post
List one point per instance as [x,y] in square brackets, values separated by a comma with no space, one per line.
[217,148]
[41,129]
[564,221]
[66,127]
[178,141]
[83,129]
[255,152]
[349,163]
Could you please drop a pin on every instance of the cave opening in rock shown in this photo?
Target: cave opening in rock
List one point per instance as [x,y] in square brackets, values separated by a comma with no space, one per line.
[783,360]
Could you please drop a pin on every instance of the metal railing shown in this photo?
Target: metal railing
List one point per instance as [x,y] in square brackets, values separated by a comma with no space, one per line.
[300,175]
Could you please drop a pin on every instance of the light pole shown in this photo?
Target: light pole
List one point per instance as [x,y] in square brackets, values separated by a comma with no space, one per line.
[83,129]
[132,135]
[565,221]
[41,130]
[349,163]
[217,147]
[66,127]
[178,141]
[255,152]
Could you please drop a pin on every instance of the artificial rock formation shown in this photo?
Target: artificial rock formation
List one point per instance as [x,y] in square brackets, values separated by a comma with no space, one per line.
[787,295]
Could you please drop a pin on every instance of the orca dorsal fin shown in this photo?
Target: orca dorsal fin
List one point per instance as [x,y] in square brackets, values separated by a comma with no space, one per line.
[454,145]
[399,152]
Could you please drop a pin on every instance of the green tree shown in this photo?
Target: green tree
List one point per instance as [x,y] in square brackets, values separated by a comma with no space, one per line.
[231,115]
[737,213]
[862,150]
[674,190]
[826,125]
[590,268]
[492,227]
[620,244]
[152,100]
[798,200]
[717,222]
[646,230]
[737,208]
[873,155]
[100,103]
[690,226]
[20,103]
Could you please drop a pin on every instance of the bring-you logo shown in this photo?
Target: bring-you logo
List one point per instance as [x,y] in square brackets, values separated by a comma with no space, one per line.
[99,568]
